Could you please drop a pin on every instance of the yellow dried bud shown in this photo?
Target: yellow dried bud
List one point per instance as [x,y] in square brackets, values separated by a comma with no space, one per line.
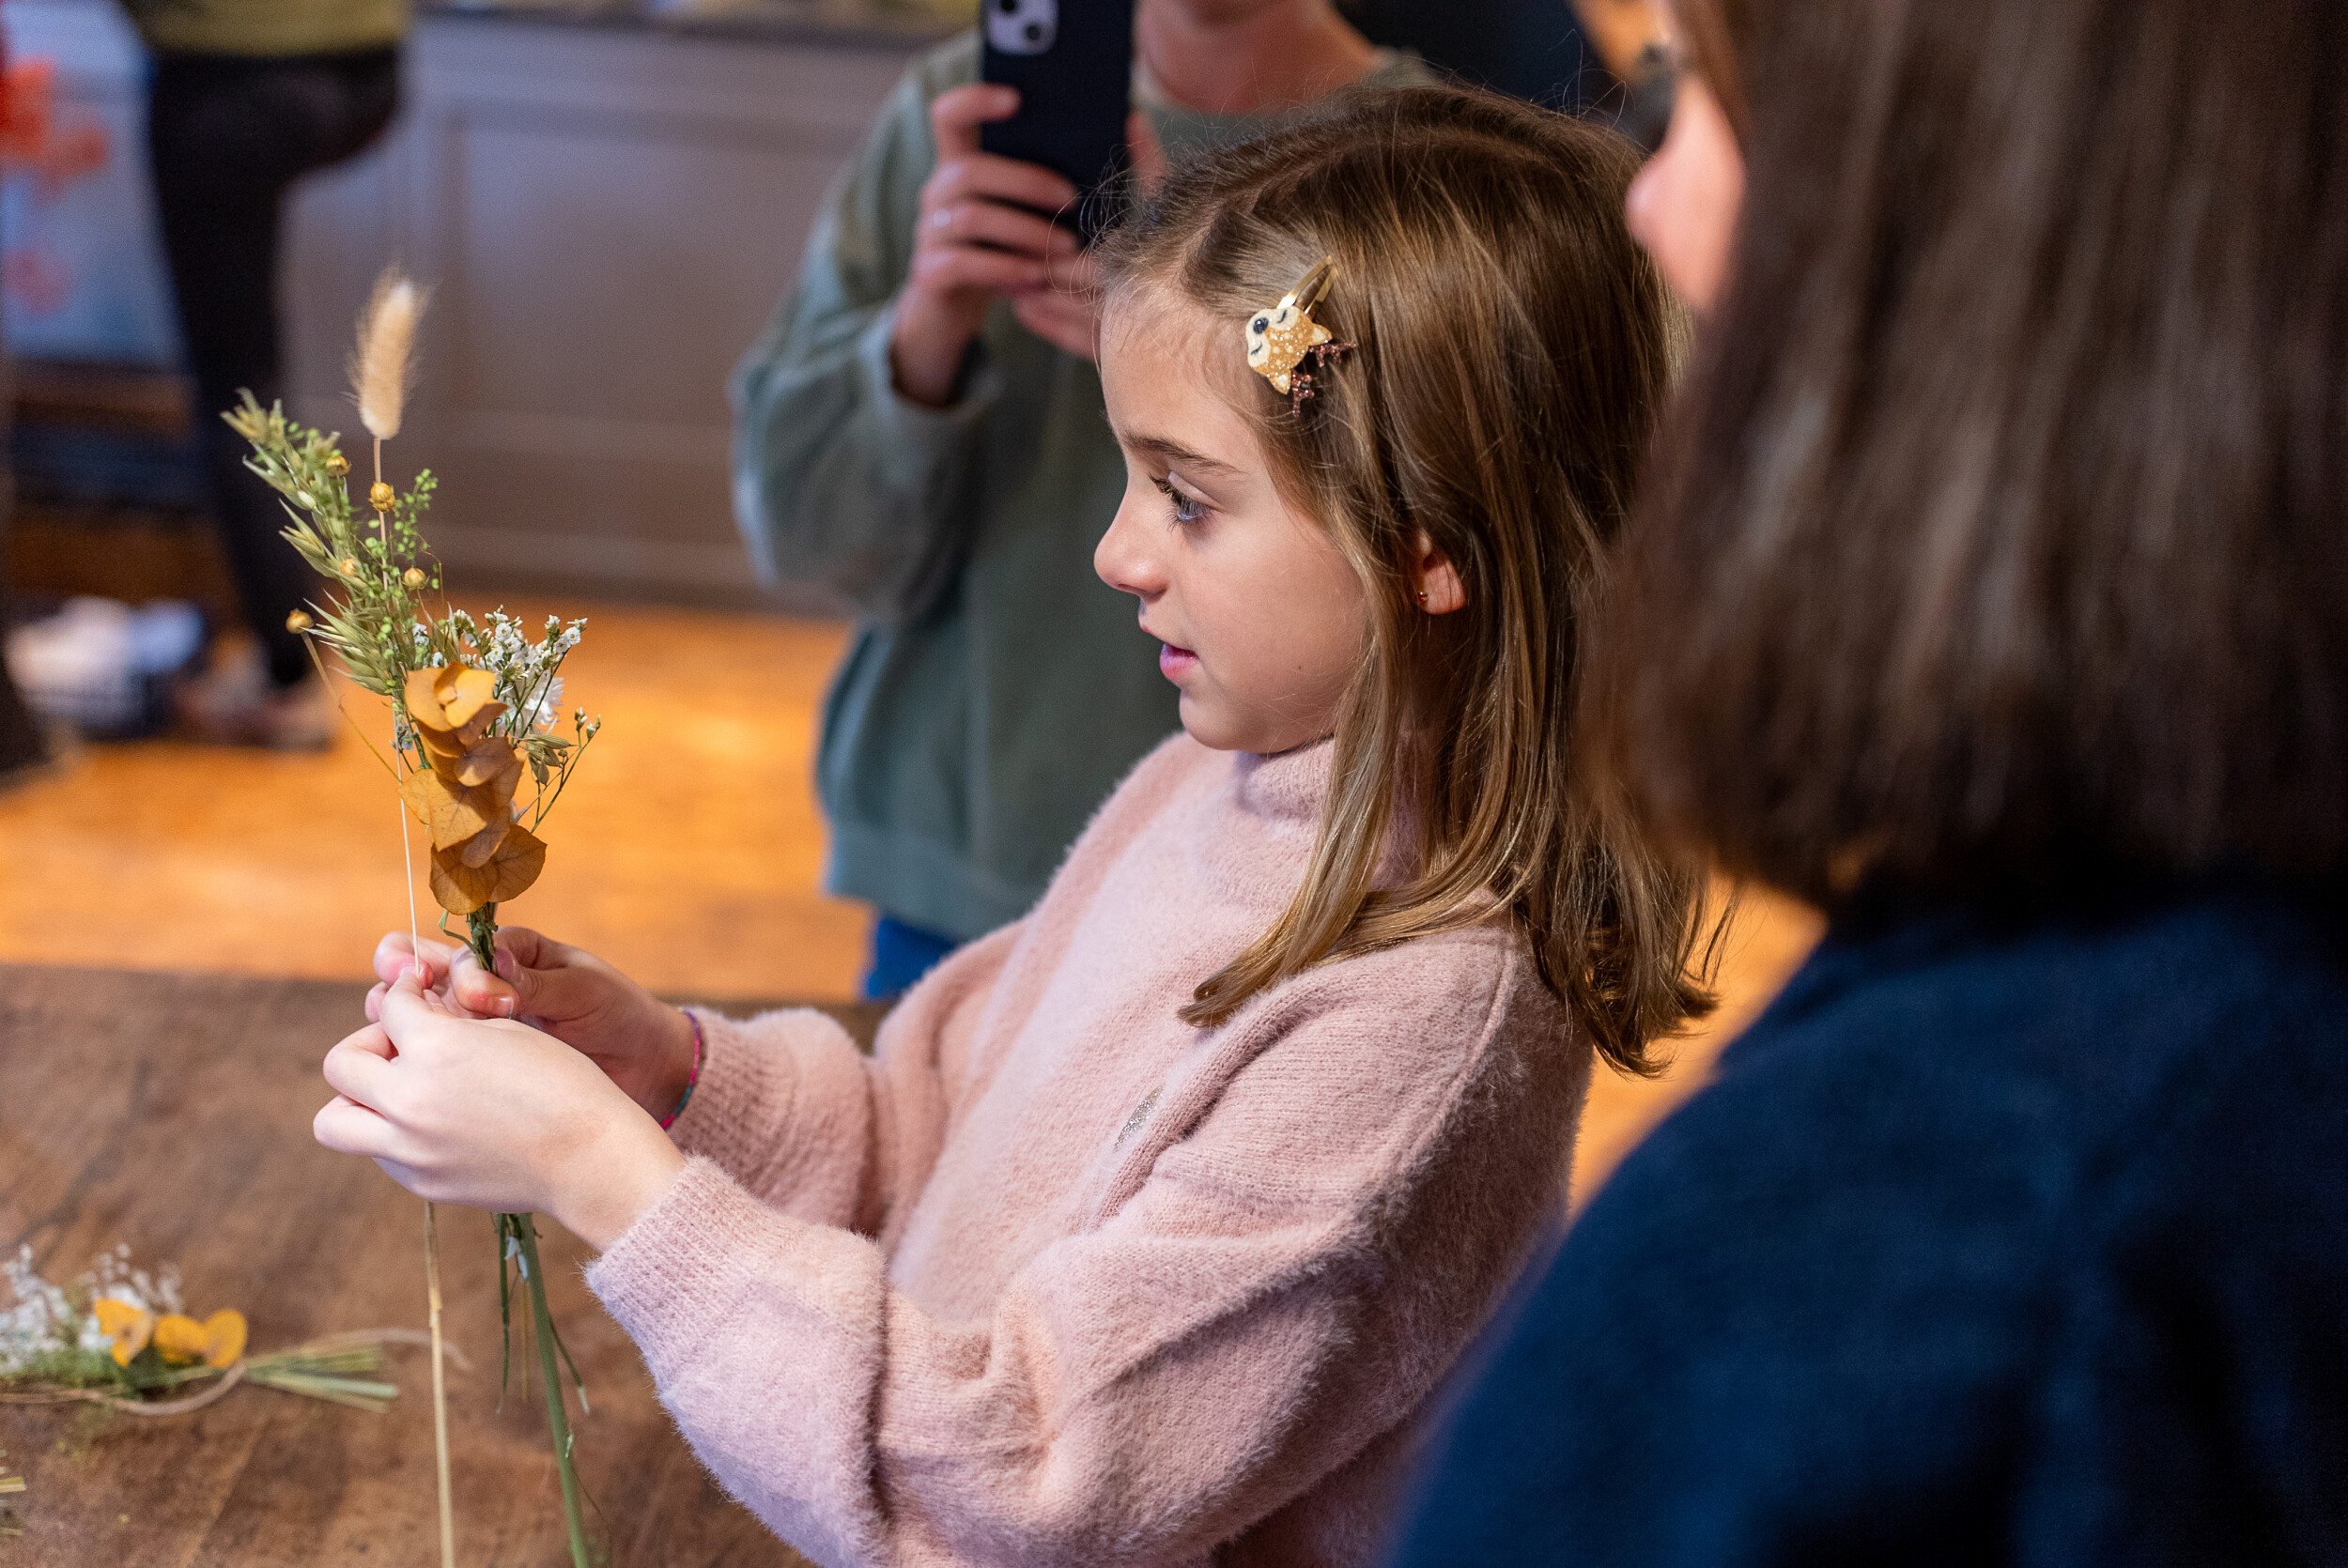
[348,565]
[130,1327]
[337,465]
[180,1338]
[298,622]
[412,579]
[224,1337]
[382,496]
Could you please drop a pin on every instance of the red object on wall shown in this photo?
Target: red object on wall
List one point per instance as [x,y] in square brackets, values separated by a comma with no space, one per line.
[30,137]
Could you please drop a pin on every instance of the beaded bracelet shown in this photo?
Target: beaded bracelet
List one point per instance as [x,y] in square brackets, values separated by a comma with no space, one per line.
[693,1081]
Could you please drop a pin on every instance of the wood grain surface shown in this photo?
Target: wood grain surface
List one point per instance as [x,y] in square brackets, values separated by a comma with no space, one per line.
[171,1112]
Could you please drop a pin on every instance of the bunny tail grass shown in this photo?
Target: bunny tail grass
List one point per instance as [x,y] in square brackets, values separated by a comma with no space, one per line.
[383,365]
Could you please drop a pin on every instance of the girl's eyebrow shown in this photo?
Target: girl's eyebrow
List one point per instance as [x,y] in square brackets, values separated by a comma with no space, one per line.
[1174,451]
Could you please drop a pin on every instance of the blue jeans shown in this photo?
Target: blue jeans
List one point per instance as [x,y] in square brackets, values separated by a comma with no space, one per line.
[901,954]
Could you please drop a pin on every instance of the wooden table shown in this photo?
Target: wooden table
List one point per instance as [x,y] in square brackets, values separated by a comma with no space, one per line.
[171,1112]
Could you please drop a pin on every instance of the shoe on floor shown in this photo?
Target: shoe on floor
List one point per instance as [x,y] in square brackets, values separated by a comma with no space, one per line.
[233,703]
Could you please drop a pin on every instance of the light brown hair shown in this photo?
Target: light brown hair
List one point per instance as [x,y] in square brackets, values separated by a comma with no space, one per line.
[1511,348]
[2002,546]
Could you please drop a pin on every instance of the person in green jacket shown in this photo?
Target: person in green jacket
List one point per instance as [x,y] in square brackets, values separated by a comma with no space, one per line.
[920,430]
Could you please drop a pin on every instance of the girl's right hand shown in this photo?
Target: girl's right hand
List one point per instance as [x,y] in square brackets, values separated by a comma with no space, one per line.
[641,1043]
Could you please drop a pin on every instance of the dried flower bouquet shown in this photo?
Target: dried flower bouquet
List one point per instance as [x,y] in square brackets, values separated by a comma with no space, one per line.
[474,706]
[119,1338]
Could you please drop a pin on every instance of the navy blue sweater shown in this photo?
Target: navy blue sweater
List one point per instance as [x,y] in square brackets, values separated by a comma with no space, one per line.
[1993,1243]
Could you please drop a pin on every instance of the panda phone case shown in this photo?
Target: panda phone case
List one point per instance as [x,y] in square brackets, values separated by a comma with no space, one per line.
[1072,61]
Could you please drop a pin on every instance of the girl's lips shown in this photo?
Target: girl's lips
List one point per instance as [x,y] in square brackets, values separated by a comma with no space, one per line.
[1174,663]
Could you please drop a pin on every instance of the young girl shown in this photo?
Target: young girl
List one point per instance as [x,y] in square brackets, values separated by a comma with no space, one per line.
[1155,1219]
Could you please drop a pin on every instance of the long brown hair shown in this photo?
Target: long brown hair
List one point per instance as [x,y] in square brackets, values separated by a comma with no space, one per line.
[1511,348]
[2001,546]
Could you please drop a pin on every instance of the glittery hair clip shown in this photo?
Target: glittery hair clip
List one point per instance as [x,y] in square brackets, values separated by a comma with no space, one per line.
[1282,338]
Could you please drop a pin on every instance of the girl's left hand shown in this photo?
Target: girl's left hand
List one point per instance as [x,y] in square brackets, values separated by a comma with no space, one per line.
[494,1115]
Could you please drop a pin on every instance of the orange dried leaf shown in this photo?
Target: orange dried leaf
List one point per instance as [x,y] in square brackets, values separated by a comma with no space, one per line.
[423,702]
[464,736]
[451,708]
[463,692]
[224,1337]
[457,886]
[486,761]
[517,862]
[180,1339]
[455,813]
[482,847]
[441,747]
[445,743]
[451,816]
[478,726]
[461,889]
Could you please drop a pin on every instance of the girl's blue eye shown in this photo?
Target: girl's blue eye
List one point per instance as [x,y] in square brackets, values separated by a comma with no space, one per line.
[1187,509]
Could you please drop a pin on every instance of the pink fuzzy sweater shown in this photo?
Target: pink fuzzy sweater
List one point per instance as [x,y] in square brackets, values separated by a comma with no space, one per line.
[1054,1278]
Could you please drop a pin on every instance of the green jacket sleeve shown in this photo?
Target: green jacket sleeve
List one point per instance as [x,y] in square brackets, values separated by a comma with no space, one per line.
[838,480]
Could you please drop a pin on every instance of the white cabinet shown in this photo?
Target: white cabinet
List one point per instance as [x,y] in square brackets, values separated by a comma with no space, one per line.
[606,216]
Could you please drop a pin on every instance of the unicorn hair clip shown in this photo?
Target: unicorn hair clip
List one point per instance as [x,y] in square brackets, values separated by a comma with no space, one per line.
[1282,337]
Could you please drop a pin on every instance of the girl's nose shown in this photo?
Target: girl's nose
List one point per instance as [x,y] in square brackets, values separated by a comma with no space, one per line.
[1126,559]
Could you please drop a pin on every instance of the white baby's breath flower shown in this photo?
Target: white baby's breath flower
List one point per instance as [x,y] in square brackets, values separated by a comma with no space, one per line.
[543,711]
[40,1320]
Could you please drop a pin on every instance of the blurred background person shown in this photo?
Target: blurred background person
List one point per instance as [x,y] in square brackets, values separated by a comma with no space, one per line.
[920,429]
[1992,594]
[247,97]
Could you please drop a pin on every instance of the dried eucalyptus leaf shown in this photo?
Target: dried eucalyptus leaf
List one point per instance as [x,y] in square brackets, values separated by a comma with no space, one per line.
[456,813]
[517,862]
[422,698]
[461,889]
[477,850]
[486,761]
[452,816]
[455,886]
[463,692]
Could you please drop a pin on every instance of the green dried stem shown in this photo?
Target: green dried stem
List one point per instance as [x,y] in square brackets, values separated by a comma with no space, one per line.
[519,1242]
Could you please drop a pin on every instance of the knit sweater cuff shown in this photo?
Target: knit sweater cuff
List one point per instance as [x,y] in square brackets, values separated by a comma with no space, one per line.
[784,1105]
[915,437]
[763,1336]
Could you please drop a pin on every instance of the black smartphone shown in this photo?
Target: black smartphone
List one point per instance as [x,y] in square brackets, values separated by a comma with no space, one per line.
[1072,62]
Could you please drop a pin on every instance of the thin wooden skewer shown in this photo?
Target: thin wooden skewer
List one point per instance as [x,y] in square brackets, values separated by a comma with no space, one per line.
[431,1223]
[440,1388]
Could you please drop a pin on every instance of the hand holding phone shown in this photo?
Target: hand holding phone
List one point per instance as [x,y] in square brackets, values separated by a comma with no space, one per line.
[1072,63]
[980,231]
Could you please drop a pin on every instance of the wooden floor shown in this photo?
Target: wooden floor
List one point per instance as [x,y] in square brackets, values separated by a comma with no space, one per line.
[687,849]
[686,852]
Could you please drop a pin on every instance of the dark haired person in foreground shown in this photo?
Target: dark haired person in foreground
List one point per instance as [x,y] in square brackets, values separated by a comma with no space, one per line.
[1993,593]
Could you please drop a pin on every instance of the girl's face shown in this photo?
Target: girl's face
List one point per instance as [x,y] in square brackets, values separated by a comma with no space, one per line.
[1683,206]
[1263,620]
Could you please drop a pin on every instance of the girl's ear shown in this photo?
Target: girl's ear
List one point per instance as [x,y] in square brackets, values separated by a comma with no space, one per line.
[1440,590]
